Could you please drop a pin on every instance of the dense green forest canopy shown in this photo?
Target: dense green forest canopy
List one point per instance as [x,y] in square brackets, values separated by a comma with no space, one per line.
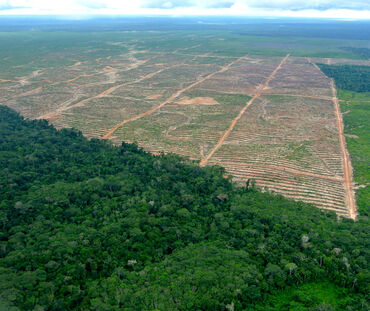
[349,77]
[90,226]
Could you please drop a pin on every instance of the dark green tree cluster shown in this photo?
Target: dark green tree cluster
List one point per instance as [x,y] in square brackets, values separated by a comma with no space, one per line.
[89,226]
[349,77]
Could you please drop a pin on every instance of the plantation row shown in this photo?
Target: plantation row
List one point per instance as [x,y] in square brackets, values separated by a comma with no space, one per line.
[326,194]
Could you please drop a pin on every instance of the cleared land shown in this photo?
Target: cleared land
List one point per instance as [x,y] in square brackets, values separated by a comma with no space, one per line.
[274,119]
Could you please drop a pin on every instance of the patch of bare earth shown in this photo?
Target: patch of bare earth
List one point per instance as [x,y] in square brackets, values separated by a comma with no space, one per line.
[155,96]
[207,101]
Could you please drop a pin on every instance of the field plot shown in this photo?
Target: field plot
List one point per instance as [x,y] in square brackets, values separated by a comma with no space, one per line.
[271,119]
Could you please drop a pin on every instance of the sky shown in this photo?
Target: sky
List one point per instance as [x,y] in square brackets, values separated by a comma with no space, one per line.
[337,9]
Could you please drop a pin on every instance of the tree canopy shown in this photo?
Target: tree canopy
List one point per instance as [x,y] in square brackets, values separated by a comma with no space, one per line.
[86,225]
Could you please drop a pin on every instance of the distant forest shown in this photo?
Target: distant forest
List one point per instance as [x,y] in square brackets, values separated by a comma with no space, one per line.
[362,52]
[86,225]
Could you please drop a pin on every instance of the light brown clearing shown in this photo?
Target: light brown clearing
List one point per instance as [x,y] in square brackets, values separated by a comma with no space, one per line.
[280,168]
[171,98]
[155,96]
[3,80]
[346,160]
[233,123]
[108,68]
[77,64]
[207,101]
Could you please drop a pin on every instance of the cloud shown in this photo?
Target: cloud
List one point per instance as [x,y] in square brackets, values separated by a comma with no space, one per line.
[172,4]
[293,8]
[92,4]
[260,4]
[320,5]
[9,5]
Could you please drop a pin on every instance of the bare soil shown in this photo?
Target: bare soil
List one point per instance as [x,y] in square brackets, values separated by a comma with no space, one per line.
[207,101]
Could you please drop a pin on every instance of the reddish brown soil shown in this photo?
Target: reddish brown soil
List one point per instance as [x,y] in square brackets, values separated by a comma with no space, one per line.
[233,123]
[347,165]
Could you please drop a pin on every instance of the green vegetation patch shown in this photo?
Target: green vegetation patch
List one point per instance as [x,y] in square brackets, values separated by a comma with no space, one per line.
[320,296]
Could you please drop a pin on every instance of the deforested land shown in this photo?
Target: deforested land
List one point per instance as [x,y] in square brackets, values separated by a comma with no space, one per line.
[184,164]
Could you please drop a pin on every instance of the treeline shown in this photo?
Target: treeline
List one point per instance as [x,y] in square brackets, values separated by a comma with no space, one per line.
[89,226]
[362,52]
[349,77]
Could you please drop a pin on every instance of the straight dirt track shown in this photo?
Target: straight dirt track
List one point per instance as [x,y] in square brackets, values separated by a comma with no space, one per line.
[233,123]
[170,99]
[347,165]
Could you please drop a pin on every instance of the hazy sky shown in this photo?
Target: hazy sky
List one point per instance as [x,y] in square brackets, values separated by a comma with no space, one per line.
[347,9]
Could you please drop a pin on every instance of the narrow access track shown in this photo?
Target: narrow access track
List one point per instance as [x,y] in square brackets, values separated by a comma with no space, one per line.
[280,168]
[346,160]
[233,123]
[314,64]
[171,98]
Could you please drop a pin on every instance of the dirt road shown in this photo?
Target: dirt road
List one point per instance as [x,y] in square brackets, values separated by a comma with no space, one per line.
[347,165]
[233,123]
[171,98]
